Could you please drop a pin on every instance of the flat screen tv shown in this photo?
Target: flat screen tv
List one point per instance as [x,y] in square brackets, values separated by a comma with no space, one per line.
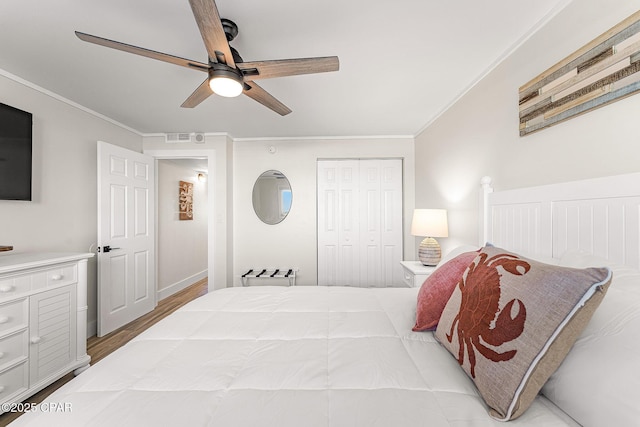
[15,153]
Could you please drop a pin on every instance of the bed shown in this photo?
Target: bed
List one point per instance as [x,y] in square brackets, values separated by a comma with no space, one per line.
[337,356]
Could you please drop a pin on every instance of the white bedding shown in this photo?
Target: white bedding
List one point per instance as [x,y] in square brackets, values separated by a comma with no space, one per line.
[283,356]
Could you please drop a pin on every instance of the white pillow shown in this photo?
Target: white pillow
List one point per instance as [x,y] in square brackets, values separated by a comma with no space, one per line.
[598,383]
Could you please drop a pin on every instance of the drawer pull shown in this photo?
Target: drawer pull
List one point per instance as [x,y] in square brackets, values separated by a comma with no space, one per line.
[6,288]
[35,340]
[1,388]
[1,355]
[57,277]
[4,319]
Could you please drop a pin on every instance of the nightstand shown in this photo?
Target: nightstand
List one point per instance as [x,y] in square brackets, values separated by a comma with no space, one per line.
[414,273]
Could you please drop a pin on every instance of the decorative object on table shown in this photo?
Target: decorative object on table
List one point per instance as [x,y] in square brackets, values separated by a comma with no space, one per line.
[603,71]
[186,200]
[429,223]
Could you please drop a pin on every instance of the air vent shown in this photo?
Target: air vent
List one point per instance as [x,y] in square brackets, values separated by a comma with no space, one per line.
[181,137]
[198,138]
[175,138]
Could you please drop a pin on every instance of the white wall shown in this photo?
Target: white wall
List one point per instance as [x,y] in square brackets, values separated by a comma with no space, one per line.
[182,245]
[63,214]
[479,134]
[292,243]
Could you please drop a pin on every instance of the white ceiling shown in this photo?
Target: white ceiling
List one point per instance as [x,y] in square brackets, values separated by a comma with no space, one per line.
[401,63]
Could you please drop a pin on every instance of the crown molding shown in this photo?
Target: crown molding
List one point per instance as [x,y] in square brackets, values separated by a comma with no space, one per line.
[67,101]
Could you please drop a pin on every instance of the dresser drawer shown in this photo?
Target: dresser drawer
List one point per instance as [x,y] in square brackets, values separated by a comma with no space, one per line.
[13,381]
[13,347]
[64,274]
[13,315]
[20,284]
[414,273]
[408,278]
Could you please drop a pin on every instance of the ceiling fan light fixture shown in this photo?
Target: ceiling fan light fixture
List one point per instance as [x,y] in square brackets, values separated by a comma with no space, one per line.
[225,81]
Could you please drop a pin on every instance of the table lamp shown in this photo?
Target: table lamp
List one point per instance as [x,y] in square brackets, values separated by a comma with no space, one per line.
[429,223]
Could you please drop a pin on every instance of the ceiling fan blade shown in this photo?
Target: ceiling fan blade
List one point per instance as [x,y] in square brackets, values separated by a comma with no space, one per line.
[288,67]
[200,94]
[143,52]
[212,31]
[257,93]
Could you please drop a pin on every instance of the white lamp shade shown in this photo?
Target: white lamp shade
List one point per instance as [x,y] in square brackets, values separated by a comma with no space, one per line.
[430,223]
[225,86]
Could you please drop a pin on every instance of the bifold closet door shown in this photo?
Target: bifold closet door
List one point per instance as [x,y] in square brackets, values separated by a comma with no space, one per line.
[360,222]
[338,223]
[380,222]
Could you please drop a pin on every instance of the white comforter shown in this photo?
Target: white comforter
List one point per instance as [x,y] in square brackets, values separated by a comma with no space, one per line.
[280,356]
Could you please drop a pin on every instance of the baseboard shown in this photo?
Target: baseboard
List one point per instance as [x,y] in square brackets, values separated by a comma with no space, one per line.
[92,328]
[178,286]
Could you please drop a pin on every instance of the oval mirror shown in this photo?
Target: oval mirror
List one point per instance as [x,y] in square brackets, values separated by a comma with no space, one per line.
[272,197]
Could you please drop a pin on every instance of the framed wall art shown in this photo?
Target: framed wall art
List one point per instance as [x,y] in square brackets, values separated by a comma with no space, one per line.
[185,203]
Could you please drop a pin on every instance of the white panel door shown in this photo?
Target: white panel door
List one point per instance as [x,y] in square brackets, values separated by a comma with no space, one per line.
[126,229]
[370,238]
[360,222]
[327,222]
[348,225]
[391,241]
[338,223]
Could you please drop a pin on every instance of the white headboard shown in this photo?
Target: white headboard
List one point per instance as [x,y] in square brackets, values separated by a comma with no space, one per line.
[600,216]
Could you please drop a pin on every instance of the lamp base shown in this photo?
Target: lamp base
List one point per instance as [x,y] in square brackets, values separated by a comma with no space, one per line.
[429,252]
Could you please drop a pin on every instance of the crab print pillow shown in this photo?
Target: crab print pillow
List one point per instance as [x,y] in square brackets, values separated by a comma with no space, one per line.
[511,321]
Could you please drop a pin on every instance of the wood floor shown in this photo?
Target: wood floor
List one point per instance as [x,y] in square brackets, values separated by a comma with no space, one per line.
[99,348]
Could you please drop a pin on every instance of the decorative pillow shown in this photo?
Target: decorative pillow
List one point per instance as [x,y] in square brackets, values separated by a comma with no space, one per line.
[597,384]
[437,289]
[511,321]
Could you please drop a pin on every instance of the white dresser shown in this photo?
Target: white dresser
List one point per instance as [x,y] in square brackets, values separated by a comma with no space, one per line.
[43,320]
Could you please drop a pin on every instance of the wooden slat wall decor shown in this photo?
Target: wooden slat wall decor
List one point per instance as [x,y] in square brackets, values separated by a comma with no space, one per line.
[601,72]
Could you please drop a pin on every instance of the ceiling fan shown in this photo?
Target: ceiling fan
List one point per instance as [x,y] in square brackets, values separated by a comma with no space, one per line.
[228,74]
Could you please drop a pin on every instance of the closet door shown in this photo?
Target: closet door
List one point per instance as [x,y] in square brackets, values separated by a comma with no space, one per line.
[359,222]
[380,222]
[338,223]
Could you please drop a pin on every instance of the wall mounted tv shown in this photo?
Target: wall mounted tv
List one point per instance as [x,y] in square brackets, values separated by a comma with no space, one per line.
[15,153]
